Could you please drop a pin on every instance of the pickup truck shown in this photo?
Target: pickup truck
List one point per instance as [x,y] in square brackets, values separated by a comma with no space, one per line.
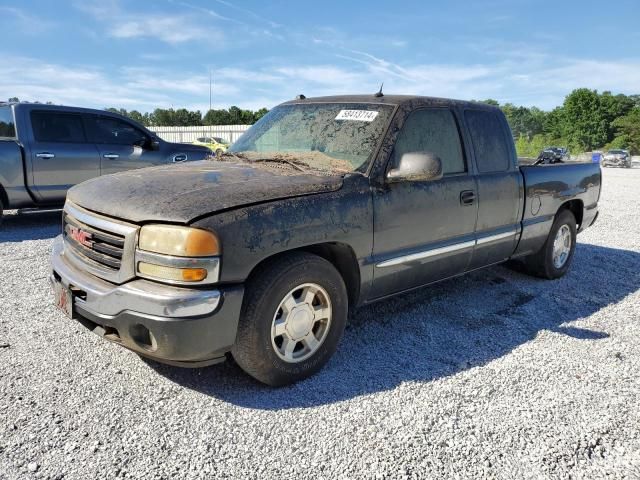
[45,149]
[323,205]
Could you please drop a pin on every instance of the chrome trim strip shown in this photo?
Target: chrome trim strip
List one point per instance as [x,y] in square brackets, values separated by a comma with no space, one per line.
[141,296]
[426,254]
[127,230]
[212,264]
[443,250]
[494,238]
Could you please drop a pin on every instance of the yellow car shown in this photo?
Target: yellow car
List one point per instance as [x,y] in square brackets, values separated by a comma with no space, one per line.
[215,144]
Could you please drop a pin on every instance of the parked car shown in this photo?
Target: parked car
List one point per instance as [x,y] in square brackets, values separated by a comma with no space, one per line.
[617,158]
[552,155]
[323,205]
[46,149]
[216,144]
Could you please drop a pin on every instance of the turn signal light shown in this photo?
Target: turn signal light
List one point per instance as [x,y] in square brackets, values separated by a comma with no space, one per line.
[171,273]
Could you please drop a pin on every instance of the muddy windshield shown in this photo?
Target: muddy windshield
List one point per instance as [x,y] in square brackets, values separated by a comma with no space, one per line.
[330,137]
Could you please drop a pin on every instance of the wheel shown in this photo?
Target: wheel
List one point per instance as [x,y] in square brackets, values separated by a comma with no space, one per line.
[293,316]
[1,210]
[219,152]
[554,258]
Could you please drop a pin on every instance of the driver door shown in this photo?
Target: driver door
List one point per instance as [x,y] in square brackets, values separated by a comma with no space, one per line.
[122,146]
[424,230]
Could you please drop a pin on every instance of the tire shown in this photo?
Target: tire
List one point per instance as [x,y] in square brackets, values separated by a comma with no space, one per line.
[219,152]
[1,210]
[542,264]
[279,360]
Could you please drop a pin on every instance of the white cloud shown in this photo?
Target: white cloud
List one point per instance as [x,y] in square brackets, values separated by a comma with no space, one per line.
[522,82]
[26,22]
[167,27]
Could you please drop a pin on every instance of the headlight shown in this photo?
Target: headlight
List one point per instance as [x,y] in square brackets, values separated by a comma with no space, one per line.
[179,255]
[179,241]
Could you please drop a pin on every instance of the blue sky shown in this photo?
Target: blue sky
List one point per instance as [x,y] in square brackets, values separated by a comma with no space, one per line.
[148,54]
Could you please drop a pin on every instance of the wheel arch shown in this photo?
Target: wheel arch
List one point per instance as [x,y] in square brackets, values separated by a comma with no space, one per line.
[576,207]
[340,255]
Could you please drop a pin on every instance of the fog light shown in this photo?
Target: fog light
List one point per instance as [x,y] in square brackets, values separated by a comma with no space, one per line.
[171,273]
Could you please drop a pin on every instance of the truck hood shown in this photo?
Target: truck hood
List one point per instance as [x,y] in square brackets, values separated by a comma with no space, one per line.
[181,193]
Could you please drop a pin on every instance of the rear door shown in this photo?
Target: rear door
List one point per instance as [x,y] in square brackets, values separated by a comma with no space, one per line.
[61,155]
[122,145]
[424,231]
[500,187]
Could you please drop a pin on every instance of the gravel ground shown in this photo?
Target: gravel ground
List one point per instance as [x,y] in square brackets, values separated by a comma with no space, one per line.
[494,375]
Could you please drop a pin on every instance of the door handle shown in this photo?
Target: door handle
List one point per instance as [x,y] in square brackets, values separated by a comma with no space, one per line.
[181,157]
[45,155]
[467,197]
[111,156]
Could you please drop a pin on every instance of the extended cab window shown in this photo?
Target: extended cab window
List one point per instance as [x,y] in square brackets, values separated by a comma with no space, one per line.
[435,131]
[57,127]
[114,131]
[7,125]
[489,141]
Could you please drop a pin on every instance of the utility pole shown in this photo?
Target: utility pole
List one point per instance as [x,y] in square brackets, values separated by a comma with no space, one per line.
[210,93]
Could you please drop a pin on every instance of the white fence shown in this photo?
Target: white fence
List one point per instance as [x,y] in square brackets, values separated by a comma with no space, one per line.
[230,133]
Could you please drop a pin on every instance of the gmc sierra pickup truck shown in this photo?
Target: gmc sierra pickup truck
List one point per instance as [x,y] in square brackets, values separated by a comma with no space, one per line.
[45,149]
[323,205]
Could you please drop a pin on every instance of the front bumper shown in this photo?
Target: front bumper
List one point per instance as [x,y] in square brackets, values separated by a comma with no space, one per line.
[175,325]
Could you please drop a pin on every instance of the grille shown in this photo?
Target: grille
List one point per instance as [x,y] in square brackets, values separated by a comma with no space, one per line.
[94,244]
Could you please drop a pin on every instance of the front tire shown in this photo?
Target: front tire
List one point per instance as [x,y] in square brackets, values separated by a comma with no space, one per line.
[554,258]
[293,317]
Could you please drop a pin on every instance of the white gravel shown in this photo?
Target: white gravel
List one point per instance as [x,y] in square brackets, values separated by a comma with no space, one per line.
[494,375]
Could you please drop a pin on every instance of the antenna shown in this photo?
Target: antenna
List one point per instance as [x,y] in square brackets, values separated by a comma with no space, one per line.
[379,93]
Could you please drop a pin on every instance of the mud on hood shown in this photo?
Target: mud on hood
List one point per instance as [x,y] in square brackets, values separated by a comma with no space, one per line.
[181,193]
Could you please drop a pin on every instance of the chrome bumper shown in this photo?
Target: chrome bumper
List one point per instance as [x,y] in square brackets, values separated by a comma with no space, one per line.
[175,325]
[150,298]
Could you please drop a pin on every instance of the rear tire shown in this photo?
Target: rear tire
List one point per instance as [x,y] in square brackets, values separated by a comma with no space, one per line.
[1,211]
[554,258]
[293,317]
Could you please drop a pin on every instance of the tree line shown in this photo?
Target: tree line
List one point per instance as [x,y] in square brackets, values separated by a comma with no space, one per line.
[586,121]
[181,117]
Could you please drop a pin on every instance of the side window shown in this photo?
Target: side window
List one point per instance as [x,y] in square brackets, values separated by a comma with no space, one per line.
[114,131]
[57,127]
[7,125]
[489,141]
[434,131]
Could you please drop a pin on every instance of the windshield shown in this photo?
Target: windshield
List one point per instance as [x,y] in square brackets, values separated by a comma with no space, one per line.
[331,137]
[616,152]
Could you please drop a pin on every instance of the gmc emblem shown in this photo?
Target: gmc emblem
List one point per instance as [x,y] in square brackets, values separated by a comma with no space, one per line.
[80,236]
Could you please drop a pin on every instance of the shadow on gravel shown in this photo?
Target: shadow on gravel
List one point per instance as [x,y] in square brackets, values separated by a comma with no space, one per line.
[439,331]
[19,227]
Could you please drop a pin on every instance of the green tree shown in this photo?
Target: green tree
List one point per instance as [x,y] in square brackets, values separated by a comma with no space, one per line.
[628,127]
[614,106]
[524,121]
[584,120]
[259,114]
[217,117]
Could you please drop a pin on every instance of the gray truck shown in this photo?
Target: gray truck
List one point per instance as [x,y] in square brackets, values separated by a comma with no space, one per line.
[323,205]
[46,149]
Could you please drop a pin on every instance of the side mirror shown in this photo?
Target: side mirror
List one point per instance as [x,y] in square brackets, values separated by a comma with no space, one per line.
[416,167]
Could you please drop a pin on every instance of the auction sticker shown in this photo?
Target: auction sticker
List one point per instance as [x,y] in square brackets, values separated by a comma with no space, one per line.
[357,115]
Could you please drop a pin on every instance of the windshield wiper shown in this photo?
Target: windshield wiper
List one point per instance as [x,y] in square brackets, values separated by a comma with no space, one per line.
[239,157]
[298,165]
